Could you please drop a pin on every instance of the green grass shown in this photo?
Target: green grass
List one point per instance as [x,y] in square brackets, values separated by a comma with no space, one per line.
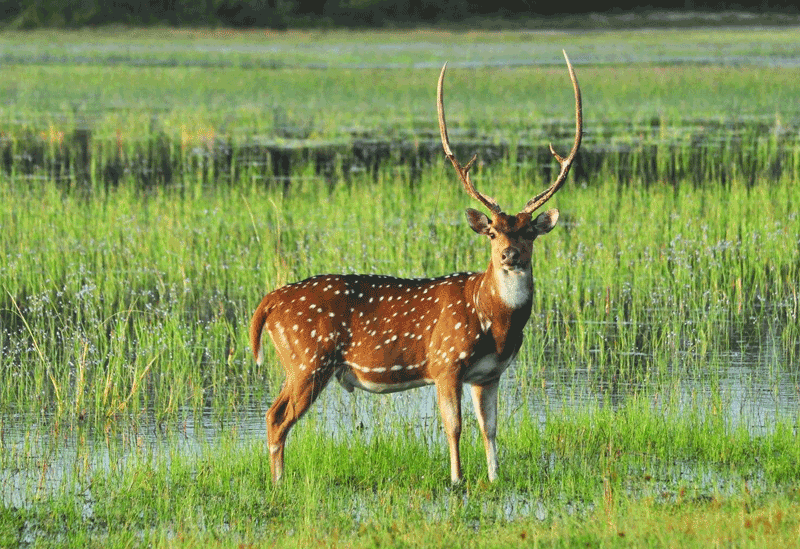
[601,478]
[118,102]
[343,48]
[127,309]
[630,77]
[132,303]
[126,285]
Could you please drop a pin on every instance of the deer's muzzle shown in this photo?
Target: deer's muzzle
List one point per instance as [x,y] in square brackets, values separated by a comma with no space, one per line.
[509,257]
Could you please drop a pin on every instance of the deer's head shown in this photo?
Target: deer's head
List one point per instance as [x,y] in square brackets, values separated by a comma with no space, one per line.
[512,236]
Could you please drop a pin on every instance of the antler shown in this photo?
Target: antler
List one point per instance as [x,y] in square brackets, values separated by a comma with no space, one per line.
[462,171]
[537,201]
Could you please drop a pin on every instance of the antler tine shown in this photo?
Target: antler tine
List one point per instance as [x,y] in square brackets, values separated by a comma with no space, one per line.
[463,172]
[537,201]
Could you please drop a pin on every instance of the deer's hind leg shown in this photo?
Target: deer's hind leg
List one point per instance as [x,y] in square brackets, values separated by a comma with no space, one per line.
[306,377]
[296,396]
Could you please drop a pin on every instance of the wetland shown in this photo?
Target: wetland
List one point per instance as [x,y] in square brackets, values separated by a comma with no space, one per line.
[146,206]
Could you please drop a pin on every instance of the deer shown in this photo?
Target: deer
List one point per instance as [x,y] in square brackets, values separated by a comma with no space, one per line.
[384,334]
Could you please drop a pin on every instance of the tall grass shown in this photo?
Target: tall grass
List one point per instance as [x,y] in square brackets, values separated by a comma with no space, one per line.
[131,298]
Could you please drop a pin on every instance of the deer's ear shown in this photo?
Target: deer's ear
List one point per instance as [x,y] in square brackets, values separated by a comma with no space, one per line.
[478,221]
[545,222]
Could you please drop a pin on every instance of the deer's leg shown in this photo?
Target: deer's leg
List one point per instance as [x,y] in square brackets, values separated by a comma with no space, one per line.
[296,396]
[448,392]
[280,418]
[485,400]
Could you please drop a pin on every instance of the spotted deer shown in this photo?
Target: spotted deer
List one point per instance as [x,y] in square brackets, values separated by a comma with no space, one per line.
[384,334]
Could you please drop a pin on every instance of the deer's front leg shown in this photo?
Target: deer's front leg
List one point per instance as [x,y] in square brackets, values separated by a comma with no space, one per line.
[448,391]
[484,398]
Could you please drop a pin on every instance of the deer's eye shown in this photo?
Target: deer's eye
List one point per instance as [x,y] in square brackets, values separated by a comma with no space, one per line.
[492,236]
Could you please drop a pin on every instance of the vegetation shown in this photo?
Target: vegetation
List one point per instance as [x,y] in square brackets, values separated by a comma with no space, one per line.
[654,401]
[281,14]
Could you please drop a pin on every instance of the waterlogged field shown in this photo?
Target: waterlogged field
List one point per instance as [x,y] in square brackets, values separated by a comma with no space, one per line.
[148,199]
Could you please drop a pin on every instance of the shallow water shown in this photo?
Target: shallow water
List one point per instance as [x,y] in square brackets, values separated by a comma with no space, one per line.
[751,389]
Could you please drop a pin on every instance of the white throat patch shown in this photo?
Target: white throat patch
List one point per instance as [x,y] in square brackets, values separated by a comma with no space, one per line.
[516,287]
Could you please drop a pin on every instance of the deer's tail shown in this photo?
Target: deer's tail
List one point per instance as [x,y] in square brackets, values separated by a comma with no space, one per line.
[257,326]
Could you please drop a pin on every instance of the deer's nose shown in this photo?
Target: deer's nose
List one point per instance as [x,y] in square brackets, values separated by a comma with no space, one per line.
[509,256]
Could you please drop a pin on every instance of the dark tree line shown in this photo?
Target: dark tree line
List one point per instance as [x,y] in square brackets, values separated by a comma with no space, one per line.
[330,13]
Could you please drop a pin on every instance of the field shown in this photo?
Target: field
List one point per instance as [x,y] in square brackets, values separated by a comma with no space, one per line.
[155,184]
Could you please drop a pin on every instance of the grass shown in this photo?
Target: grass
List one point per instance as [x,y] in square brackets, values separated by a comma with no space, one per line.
[330,104]
[655,397]
[50,92]
[560,488]
[644,123]
[336,49]
[127,316]
[169,277]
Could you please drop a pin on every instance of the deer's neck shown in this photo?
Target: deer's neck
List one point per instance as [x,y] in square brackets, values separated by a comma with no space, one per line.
[502,302]
[500,295]
[506,289]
